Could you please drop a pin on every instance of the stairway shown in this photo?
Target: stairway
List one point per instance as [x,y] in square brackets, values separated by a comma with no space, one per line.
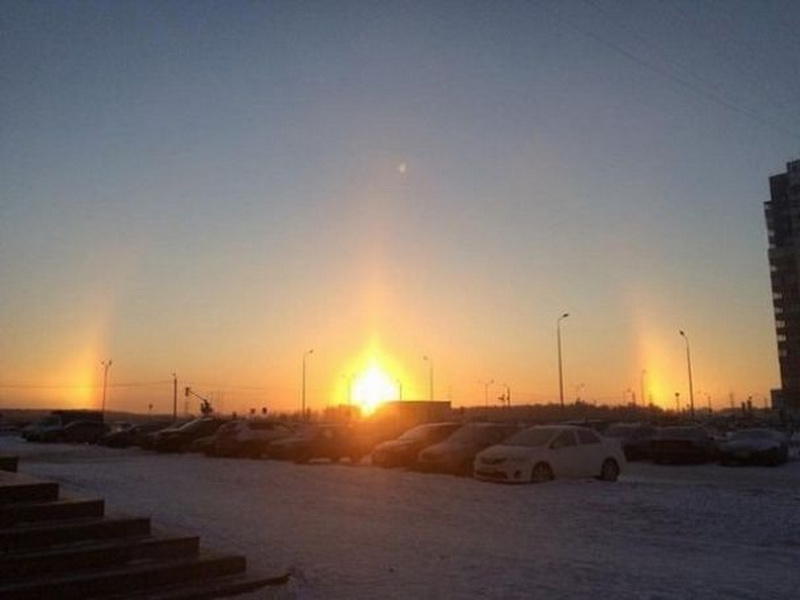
[54,547]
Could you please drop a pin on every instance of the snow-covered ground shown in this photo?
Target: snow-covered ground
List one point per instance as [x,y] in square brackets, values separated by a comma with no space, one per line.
[363,532]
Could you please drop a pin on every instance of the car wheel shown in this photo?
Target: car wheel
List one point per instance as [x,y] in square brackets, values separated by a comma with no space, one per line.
[610,470]
[541,473]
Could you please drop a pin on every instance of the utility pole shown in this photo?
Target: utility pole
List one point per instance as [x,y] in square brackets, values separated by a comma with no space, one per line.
[642,396]
[399,389]
[560,366]
[174,397]
[678,402]
[106,366]
[430,376]
[303,407]
[508,395]
[486,385]
[689,367]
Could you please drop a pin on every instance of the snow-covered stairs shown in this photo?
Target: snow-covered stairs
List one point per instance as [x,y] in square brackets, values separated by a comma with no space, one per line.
[52,547]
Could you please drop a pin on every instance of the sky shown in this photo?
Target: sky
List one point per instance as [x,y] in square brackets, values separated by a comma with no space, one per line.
[213,189]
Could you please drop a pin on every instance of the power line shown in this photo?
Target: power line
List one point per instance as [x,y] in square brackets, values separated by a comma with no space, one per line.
[80,386]
[677,78]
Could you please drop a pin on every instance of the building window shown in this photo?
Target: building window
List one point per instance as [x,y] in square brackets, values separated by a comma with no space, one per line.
[781,337]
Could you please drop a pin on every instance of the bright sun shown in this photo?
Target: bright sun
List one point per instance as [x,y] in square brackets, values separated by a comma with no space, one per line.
[373,387]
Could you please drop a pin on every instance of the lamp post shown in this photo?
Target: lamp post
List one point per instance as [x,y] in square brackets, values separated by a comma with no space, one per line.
[578,389]
[430,376]
[689,368]
[106,366]
[305,356]
[560,367]
[399,390]
[642,397]
[508,395]
[349,379]
[174,397]
[486,385]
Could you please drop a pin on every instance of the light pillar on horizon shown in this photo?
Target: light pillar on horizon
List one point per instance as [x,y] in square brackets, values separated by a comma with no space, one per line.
[560,366]
[174,397]
[106,366]
[303,400]
[689,368]
[430,376]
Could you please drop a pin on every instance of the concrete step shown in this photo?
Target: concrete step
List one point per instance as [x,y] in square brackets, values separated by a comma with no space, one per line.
[17,487]
[125,580]
[28,512]
[205,590]
[48,534]
[94,555]
[8,463]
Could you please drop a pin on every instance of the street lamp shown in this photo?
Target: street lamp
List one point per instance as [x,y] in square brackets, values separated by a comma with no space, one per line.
[305,355]
[106,366]
[560,367]
[578,389]
[399,390]
[486,385]
[642,375]
[430,376]
[689,367]
[508,395]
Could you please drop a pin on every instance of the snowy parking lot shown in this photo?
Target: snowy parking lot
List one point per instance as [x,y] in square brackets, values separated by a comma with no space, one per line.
[364,532]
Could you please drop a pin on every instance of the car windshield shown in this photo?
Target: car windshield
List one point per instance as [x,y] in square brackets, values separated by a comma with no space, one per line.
[681,433]
[535,436]
[754,434]
[421,432]
[193,425]
[621,431]
[477,432]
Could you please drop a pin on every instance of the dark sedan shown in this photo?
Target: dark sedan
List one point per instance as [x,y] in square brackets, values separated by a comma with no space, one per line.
[403,451]
[636,439]
[331,442]
[754,446]
[132,436]
[688,444]
[457,453]
[179,439]
[83,432]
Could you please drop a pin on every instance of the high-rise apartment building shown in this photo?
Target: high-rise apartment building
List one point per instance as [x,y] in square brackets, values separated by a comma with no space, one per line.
[782,212]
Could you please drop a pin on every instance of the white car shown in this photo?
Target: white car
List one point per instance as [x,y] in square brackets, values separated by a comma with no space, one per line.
[545,452]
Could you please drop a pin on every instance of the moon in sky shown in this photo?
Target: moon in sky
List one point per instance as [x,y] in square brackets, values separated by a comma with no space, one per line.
[402,168]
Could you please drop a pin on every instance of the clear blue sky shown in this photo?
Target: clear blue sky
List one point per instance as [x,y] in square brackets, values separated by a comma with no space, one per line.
[213,187]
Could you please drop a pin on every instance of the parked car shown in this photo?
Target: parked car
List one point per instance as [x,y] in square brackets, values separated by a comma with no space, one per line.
[50,428]
[248,438]
[332,442]
[83,432]
[132,436]
[403,451]
[456,454]
[546,452]
[686,444]
[636,439]
[754,446]
[179,439]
